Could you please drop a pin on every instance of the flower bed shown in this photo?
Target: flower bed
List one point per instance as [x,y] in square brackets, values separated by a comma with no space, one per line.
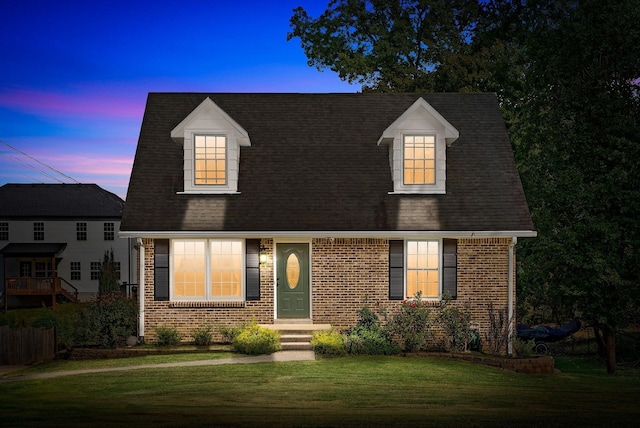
[533,365]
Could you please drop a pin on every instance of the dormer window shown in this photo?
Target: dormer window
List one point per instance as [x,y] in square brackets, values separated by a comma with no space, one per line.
[211,142]
[210,159]
[418,142]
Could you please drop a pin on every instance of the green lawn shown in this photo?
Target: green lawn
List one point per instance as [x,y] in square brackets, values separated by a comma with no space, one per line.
[354,391]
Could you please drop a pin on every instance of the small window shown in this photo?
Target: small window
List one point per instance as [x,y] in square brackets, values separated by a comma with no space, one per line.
[4,231]
[423,269]
[210,159]
[38,231]
[81,231]
[419,159]
[76,271]
[109,232]
[95,271]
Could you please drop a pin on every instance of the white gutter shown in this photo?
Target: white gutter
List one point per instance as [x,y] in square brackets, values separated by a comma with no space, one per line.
[510,310]
[332,234]
[141,280]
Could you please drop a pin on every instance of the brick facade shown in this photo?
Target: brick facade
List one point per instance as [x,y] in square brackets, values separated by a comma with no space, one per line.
[346,273]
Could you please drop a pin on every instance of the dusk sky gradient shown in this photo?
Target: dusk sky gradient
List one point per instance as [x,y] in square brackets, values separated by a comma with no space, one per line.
[74,75]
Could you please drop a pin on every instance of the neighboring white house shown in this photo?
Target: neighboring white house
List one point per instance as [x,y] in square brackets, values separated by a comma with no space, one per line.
[53,238]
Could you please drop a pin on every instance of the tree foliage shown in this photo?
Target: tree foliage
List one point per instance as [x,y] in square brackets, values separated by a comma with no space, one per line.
[386,45]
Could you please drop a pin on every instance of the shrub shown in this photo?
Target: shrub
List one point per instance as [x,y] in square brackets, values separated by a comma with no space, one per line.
[523,348]
[202,336]
[256,340]
[412,324]
[108,321]
[456,324]
[230,333]
[108,281]
[368,336]
[168,336]
[328,343]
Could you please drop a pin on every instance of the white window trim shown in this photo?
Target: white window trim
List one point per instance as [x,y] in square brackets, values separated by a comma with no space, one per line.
[207,254]
[440,269]
[224,186]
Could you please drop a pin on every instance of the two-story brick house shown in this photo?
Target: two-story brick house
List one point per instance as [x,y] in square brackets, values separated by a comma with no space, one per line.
[280,207]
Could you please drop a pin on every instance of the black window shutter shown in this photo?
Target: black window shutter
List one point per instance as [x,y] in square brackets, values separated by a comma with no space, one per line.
[161,269]
[396,270]
[252,262]
[450,267]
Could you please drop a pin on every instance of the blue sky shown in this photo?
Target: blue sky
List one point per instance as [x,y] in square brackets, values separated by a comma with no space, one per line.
[74,75]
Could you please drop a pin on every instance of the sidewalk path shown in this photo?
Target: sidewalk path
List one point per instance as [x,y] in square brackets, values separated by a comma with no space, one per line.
[275,357]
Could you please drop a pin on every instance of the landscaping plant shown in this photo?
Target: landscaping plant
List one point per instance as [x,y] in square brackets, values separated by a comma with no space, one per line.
[168,336]
[108,320]
[256,340]
[368,336]
[202,336]
[456,324]
[328,343]
[412,324]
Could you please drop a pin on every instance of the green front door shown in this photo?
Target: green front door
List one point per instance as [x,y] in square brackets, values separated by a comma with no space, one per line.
[292,280]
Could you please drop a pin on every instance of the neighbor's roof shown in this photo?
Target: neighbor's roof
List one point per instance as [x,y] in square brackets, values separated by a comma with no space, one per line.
[58,201]
[32,249]
[314,165]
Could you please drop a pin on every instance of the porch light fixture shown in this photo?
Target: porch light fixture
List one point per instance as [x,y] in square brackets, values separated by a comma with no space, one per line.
[263,254]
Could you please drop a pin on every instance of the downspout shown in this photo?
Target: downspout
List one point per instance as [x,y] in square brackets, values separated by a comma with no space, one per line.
[510,310]
[141,280]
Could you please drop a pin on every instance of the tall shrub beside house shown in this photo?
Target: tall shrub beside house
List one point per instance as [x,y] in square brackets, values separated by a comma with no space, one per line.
[108,282]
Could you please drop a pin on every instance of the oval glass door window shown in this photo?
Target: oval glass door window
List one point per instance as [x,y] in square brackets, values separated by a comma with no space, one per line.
[293,270]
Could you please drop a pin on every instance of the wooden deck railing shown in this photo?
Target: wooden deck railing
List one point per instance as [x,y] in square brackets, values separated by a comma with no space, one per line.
[29,286]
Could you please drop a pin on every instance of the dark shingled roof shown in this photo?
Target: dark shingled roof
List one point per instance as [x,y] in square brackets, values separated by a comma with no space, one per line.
[314,165]
[58,201]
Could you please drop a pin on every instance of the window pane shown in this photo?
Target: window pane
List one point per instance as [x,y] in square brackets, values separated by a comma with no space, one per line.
[419,157]
[422,268]
[188,269]
[210,159]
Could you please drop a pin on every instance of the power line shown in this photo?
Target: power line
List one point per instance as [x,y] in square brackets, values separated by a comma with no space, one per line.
[41,163]
[28,165]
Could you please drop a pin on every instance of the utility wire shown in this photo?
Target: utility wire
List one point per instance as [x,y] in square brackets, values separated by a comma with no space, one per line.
[41,163]
[28,165]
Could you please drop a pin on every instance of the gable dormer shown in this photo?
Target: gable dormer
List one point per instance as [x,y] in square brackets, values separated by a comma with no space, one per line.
[211,142]
[418,142]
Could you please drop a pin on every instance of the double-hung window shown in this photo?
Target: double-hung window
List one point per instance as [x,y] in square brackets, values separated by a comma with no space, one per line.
[109,232]
[81,231]
[210,159]
[207,269]
[423,268]
[419,159]
[4,231]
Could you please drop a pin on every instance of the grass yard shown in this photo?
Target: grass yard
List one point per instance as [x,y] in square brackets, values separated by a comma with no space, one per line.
[354,391]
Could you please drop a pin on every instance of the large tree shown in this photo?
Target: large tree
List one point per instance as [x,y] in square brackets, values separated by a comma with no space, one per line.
[566,73]
[386,45]
[577,139]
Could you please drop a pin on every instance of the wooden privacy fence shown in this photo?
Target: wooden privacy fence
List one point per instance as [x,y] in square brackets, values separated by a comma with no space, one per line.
[26,345]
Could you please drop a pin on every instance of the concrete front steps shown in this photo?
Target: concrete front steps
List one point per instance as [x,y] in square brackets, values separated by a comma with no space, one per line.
[295,335]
